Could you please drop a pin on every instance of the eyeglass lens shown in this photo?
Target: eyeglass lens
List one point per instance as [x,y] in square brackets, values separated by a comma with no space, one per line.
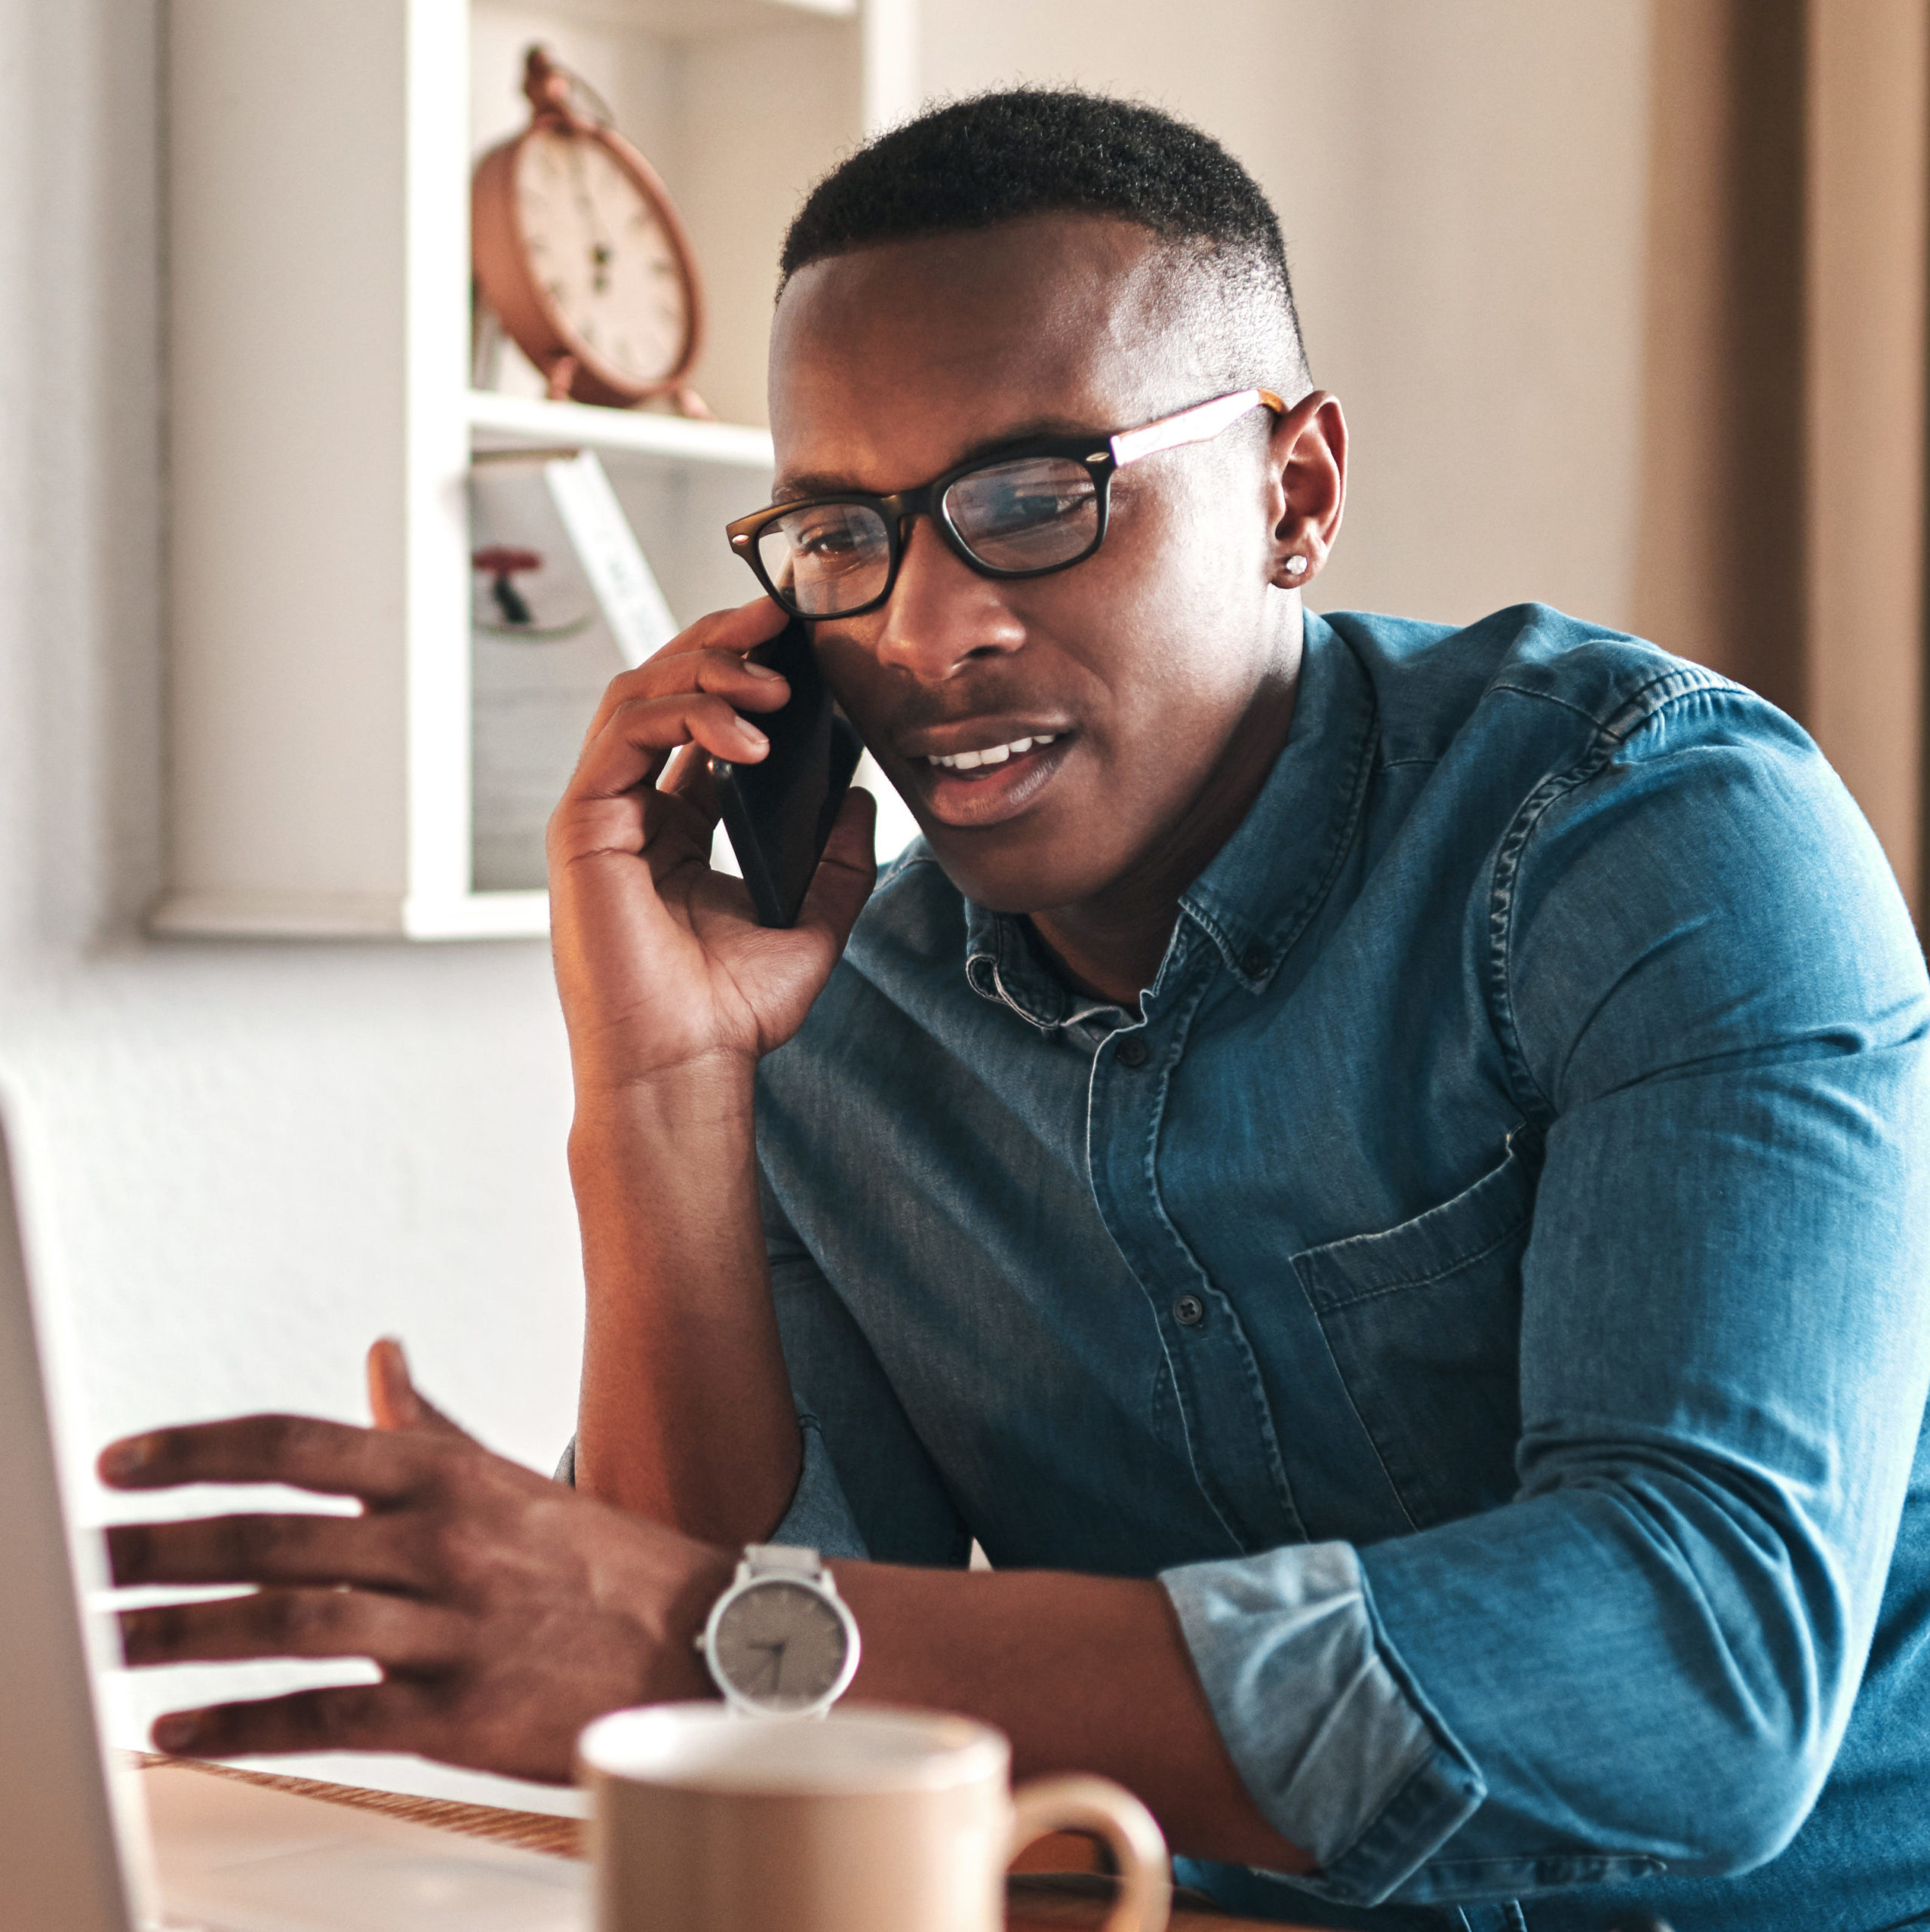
[1027,515]
[821,559]
[1032,513]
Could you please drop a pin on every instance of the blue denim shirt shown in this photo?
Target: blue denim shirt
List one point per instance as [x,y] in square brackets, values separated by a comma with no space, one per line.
[1486,1287]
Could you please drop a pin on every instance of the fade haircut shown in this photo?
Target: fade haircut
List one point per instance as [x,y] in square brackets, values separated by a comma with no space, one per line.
[1028,151]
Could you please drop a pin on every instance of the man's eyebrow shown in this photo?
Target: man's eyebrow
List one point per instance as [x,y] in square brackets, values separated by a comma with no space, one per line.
[804,484]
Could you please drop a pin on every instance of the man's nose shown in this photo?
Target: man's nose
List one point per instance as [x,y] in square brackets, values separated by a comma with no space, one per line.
[941,613]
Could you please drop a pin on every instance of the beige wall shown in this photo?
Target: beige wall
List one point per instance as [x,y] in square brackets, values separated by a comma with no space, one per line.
[1868,127]
[1782,534]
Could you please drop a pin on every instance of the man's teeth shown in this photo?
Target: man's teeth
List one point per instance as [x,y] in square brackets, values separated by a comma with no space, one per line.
[992,755]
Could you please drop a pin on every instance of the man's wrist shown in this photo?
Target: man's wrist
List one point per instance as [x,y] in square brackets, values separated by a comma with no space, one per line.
[676,1668]
[714,1094]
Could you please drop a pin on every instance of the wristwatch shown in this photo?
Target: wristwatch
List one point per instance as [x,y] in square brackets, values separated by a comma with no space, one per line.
[780,1641]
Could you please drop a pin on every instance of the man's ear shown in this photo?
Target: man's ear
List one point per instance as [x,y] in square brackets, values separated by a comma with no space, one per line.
[1307,462]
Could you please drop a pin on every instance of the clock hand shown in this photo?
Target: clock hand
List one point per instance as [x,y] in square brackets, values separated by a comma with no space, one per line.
[601,253]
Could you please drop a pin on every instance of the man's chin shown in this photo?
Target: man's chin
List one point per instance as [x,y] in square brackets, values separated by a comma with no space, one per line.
[1014,874]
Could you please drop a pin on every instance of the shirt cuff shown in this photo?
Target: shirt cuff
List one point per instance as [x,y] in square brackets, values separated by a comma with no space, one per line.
[1331,1738]
[819,1518]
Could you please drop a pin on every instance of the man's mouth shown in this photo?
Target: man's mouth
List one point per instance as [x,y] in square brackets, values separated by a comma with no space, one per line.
[990,754]
[972,777]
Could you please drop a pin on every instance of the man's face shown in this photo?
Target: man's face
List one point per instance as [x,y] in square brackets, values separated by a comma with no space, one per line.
[890,365]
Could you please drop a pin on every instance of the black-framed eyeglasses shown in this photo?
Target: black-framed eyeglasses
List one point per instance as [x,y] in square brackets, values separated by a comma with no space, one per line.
[1037,506]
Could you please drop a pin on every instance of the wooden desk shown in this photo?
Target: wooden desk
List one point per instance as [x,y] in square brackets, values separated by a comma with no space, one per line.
[1037,1901]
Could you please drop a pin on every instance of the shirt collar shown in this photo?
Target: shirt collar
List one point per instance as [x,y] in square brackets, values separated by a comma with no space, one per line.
[1259,890]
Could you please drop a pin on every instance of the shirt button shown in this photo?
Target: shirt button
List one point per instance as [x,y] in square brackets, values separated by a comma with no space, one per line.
[1255,961]
[1131,1051]
[1189,1310]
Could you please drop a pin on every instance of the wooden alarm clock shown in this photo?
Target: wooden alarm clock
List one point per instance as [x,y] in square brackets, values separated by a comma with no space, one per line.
[580,254]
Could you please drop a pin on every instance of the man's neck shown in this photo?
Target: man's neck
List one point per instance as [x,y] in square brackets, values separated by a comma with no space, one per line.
[1111,946]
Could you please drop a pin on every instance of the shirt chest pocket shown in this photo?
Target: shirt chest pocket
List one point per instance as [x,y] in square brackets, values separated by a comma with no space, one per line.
[1424,1322]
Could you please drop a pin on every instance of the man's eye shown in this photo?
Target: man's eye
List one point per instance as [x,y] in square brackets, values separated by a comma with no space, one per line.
[1021,508]
[1037,506]
[831,540]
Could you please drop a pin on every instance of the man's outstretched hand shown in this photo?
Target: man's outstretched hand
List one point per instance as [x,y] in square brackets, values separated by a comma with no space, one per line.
[505,1610]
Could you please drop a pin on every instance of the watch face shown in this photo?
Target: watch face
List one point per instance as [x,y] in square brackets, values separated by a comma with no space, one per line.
[781,1645]
[597,247]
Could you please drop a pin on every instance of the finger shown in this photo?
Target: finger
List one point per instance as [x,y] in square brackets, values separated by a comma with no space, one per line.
[265,1550]
[689,778]
[749,686]
[635,743]
[394,1399]
[332,1458]
[724,636]
[361,1716]
[740,627]
[398,1632]
[678,809]
[847,871]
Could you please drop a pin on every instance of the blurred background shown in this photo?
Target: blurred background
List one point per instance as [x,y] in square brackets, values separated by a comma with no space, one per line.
[1624,299]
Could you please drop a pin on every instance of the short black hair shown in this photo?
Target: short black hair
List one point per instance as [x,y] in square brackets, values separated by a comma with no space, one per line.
[999,157]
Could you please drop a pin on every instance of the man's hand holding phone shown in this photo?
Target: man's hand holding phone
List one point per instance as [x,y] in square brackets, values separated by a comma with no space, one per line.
[660,960]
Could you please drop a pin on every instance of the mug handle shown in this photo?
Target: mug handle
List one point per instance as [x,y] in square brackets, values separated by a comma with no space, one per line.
[1130,1832]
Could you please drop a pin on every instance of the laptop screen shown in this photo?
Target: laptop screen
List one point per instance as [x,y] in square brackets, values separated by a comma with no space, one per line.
[59,1856]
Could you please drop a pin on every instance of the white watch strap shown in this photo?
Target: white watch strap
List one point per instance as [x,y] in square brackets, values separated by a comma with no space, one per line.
[782,1559]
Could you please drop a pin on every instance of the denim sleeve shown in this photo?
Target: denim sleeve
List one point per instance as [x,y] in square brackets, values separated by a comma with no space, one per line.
[1709,990]
[868,1489]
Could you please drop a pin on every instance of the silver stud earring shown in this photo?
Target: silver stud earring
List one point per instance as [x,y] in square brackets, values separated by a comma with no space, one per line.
[1296,566]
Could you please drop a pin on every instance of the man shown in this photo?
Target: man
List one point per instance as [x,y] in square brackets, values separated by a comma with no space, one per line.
[1376,1170]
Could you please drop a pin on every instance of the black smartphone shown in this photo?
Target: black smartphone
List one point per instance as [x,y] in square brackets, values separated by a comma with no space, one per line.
[779,812]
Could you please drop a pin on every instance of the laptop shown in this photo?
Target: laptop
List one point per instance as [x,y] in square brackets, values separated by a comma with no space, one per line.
[90,1844]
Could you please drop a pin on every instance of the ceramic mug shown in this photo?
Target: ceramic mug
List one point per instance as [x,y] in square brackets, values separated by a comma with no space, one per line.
[867,1820]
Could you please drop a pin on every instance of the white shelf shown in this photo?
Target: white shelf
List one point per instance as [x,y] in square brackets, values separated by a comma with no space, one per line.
[349,915]
[321,421]
[510,421]
[695,20]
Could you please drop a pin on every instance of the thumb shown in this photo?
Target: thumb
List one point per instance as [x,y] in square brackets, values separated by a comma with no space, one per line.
[394,1400]
[847,871]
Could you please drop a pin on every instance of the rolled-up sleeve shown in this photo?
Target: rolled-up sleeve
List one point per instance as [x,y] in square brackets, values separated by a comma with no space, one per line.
[1711,995]
[1316,1714]
[818,1517]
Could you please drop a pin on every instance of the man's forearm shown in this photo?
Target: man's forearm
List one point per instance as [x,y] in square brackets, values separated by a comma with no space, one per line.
[685,1415]
[1085,1673]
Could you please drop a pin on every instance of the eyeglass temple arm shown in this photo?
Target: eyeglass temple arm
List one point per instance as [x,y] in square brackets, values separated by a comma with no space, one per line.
[1200,424]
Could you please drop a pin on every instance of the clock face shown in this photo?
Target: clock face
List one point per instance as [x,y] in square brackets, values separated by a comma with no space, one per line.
[781,1645]
[596,246]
